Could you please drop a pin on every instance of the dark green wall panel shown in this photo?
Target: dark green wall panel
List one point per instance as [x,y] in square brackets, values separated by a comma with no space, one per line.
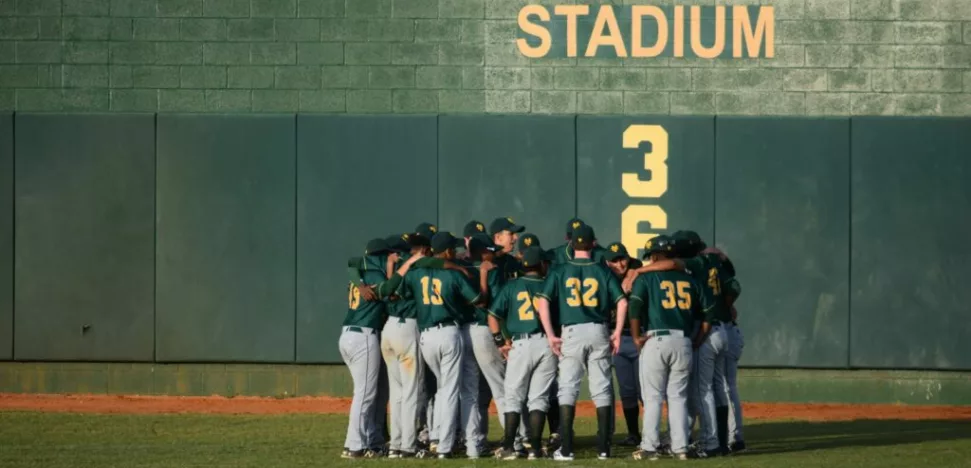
[84,237]
[910,199]
[516,166]
[226,238]
[684,193]
[6,236]
[359,177]
[782,215]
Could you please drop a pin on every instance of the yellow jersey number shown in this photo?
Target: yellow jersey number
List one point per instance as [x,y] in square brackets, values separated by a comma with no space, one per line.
[353,297]
[683,300]
[590,286]
[528,307]
[433,297]
[713,282]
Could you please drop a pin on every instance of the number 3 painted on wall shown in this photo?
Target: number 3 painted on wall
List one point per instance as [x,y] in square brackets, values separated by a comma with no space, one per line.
[655,161]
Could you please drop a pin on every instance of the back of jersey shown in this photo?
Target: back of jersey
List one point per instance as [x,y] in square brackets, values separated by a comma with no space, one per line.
[441,296]
[361,313]
[671,301]
[584,291]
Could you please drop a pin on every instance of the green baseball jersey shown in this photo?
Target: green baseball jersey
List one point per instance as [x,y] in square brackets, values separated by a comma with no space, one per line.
[667,300]
[583,290]
[404,306]
[564,254]
[708,271]
[481,314]
[361,313]
[515,304]
[440,296]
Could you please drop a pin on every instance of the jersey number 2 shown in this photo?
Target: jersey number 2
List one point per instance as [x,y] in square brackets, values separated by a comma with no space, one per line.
[683,301]
[528,306]
[435,298]
[589,295]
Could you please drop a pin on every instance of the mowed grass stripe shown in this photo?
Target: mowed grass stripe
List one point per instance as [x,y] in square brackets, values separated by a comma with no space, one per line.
[31,439]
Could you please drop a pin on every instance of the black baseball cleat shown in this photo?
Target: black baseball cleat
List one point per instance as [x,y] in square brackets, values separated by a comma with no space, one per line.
[737,447]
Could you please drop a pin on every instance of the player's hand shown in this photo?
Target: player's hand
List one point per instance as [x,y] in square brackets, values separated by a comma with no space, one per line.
[393,257]
[615,343]
[628,284]
[367,292]
[640,342]
[555,345]
[486,266]
[504,350]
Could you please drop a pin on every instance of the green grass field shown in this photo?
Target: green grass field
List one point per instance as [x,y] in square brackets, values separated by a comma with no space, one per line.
[84,440]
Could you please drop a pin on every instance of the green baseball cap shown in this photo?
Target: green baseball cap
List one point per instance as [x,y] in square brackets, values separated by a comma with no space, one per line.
[472,228]
[376,247]
[661,243]
[573,224]
[526,241]
[443,241]
[533,257]
[398,242]
[505,224]
[583,233]
[480,242]
[687,243]
[426,229]
[615,251]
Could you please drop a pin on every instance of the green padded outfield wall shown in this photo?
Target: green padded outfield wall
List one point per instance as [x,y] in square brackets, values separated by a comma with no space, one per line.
[6,236]
[910,200]
[226,248]
[513,166]
[637,177]
[85,191]
[358,177]
[782,213]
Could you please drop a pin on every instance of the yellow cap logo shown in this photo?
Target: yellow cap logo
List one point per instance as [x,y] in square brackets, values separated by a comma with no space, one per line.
[432,228]
[479,227]
[576,224]
[648,245]
[528,241]
[404,237]
[510,221]
[615,248]
[579,239]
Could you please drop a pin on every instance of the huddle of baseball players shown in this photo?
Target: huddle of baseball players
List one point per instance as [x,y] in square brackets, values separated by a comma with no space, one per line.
[438,335]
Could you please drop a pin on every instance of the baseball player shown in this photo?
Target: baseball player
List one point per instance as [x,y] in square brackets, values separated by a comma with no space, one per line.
[736,342]
[531,363]
[585,291]
[669,304]
[625,361]
[441,297]
[360,350]
[712,401]
[526,241]
[471,228]
[564,253]
[491,362]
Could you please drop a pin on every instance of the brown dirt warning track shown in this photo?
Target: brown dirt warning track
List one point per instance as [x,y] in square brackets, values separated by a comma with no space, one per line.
[133,404]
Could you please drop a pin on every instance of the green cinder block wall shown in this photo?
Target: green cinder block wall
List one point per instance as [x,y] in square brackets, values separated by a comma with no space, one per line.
[832,57]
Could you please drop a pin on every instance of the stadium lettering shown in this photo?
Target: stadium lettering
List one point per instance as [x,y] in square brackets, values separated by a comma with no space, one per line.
[606,31]
[655,162]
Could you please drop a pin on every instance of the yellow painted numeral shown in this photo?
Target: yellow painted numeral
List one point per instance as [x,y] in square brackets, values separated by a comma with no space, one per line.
[353,297]
[713,283]
[436,292]
[655,161]
[683,301]
[631,218]
[528,307]
[590,286]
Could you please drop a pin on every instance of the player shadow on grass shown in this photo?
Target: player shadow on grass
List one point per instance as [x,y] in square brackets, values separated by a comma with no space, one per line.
[797,436]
